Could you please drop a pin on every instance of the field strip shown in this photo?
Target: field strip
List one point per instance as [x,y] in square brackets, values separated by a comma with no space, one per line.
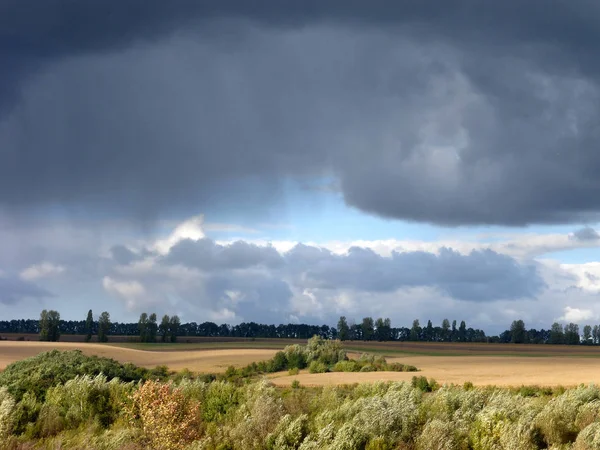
[480,370]
[196,360]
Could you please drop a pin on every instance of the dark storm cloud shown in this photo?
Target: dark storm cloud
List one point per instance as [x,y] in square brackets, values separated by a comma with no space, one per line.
[586,234]
[479,276]
[455,113]
[14,289]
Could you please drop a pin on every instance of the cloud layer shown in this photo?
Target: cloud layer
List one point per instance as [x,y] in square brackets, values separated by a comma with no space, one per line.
[465,115]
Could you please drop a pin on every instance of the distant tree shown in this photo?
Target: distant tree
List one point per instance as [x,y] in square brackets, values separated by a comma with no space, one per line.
[383,329]
[343,329]
[587,334]
[429,331]
[49,326]
[517,332]
[572,334]
[445,330]
[143,327]
[174,324]
[454,332]
[595,334]
[415,331]
[163,328]
[367,328]
[152,327]
[103,326]
[89,324]
[462,331]
[556,334]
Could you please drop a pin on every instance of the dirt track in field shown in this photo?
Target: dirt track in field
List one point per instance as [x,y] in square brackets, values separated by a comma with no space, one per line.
[213,361]
[480,370]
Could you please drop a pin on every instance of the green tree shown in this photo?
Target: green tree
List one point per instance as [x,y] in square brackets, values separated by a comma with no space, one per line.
[49,326]
[595,334]
[587,334]
[517,332]
[462,331]
[454,332]
[429,331]
[174,324]
[383,329]
[343,329]
[152,327]
[415,331]
[143,327]
[367,328]
[89,324]
[446,330]
[163,328]
[572,334]
[103,326]
[556,334]
[44,326]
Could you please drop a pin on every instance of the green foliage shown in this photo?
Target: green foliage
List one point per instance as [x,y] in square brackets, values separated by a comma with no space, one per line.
[317,367]
[293,371]
[39,373]
[295,384]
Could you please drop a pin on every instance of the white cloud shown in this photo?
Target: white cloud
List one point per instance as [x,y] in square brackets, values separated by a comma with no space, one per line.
[41,270]
[190,229]
[576,315]
[132,292]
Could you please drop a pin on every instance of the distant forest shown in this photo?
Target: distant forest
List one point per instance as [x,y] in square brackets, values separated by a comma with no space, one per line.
[50,327]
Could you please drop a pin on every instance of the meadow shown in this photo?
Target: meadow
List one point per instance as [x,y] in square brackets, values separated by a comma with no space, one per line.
[314,395]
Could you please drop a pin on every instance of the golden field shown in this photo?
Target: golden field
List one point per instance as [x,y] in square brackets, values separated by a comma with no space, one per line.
[482,364]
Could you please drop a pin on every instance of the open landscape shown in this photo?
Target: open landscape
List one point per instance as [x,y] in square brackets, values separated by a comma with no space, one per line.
[481,364]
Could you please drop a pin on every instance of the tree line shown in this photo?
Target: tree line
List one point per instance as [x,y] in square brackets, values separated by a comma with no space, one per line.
[50,327]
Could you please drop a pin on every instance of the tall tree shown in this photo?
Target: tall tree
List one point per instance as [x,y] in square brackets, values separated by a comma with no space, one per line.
[454,332]
[595,334]
[163,328]
[152,327]
[446,330]
[89,324]
[343,329]
[44,326]
[517,332]
[103,326]
[143,327]
[415,331]
[556,334]
[429,331]
[572,334]
[367,328]
[174,324]
[587,334]
[462,331]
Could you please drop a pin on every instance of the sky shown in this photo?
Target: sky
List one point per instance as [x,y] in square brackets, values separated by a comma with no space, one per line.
[281,161]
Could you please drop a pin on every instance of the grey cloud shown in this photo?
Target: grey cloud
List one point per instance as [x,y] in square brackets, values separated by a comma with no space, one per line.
[14,289]
[459,114]
[207,255]
[123,255]
[586,234]
[479,276]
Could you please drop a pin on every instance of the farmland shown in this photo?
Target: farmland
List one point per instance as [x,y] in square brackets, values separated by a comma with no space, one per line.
[482,364]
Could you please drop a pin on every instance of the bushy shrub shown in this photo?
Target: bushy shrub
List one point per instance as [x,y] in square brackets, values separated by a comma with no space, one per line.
[324,351]
[39,373]
[289,433]
[588,438]
[368,368]
[295,356]
[7,409]
[441,435]
[422,384]
[346,366]
[293,371]
[557,419]
[168,419]
[219,398]
[317,367]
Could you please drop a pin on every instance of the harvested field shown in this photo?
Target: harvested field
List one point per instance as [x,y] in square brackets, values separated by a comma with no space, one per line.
[480,370]
[195,360]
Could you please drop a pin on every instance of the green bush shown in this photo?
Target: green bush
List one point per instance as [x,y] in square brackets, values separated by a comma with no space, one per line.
[317,367]
[39,373]
[293,371]
[368,368]
[421,383]
[346,366]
